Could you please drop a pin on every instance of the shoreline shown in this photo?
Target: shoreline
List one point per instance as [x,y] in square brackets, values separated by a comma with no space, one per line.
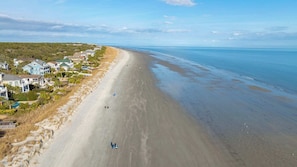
[149,127]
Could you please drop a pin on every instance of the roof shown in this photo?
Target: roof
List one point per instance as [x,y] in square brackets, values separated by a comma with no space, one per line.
[27,66]
[30,76]
[66,60]
[77,54]
[40,62]
[9,77]
[53,62]
[64,65]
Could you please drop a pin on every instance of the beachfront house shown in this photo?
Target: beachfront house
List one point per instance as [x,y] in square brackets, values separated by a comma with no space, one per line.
[89,52]
[37,67]
[14,81]
[37,80]
[54,65]
[77,58]
[65,63]
[65,66]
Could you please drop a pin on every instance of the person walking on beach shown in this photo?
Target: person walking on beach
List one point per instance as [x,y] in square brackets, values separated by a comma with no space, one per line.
[113,145]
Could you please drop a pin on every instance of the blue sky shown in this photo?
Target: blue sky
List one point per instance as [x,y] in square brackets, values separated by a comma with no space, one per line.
[235,23]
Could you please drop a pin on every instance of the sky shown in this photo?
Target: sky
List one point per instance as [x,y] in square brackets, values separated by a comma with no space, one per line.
[206,23]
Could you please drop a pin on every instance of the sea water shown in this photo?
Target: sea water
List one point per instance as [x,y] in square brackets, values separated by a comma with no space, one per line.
[245,98]
[275,67]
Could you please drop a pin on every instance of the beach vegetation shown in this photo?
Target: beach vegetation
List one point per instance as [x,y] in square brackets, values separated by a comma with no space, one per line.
[28,96]
[78,66]
[7,111]
[42,51]
[5,104]
[44,98]
[24,106]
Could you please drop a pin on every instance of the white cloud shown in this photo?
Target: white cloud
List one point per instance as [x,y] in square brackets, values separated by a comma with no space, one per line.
[169,17]
[168,22]
[56,27]
[236,33]
[176,30]
[180,2]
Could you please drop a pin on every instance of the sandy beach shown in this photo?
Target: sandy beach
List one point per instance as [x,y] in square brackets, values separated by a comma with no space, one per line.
[128,109]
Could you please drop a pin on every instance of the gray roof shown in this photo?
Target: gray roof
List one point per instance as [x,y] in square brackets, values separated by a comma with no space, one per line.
[40,62]
[9,77]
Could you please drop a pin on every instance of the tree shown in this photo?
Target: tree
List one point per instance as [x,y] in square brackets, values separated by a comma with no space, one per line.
[44,97]
[78,66]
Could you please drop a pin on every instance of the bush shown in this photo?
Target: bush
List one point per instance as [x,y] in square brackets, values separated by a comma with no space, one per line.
[29,96]
[24,106]
[44,98]
[9,111]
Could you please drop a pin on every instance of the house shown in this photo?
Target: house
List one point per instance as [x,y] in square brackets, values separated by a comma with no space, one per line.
[37,67]
[77,58]
[65,66]
[89,52]
[3,92]
[14,81]
[16,62]
[34,79]
[65,63]
[4,65]
[54,65]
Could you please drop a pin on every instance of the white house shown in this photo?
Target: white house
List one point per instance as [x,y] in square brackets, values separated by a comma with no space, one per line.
[34,79]
[54,65]
[89,52]
[14,81]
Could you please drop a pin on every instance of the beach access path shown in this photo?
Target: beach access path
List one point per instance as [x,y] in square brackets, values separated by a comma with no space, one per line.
[127,108]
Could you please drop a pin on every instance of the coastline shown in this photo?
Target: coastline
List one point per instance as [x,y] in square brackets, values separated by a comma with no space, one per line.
[149,127]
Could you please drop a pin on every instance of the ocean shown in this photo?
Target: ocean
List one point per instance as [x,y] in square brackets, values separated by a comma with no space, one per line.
[245,98]
[274,67]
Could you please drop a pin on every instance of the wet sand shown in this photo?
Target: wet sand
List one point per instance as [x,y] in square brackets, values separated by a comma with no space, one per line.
[150,128]
[255,122]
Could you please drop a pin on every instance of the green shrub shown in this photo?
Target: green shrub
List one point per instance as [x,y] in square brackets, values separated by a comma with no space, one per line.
[24,106]
[29,96]
[9,111]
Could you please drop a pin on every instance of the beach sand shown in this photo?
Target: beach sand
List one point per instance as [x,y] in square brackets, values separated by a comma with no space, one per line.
[128,109]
